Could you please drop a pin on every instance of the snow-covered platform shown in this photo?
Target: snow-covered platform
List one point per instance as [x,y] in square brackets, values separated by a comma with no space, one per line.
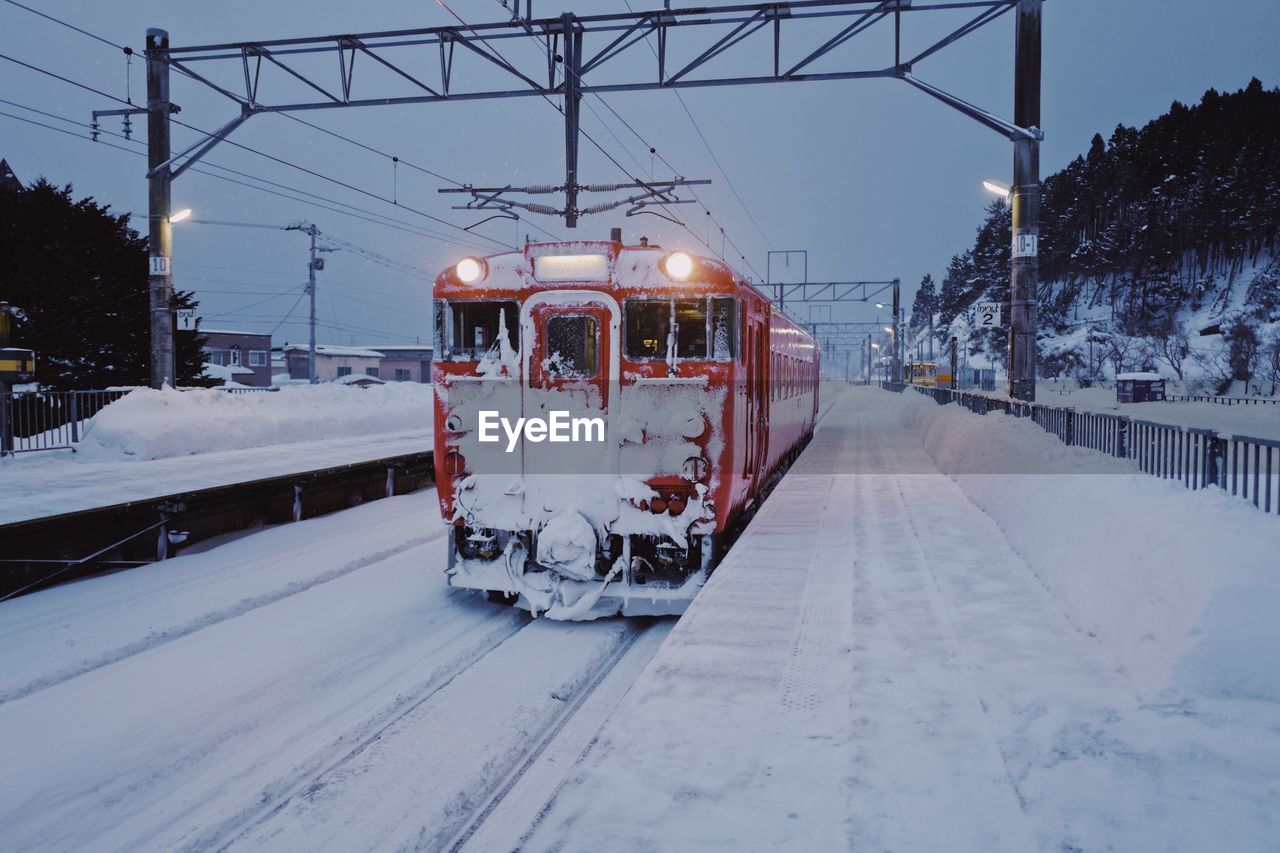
[54,483]
[876,667]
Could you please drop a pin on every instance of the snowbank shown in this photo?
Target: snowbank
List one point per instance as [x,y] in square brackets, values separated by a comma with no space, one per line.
[1180,587]
[150,424]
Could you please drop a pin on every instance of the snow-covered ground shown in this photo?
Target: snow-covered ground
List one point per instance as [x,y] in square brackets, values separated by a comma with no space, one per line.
[1260,420]
[897,659]
[313,686]
[905,651]
[153,443]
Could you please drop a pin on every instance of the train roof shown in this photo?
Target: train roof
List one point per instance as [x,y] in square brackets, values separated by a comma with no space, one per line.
[590,263]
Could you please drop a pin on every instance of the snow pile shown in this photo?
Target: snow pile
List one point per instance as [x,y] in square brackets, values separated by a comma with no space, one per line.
[1180,587]
[150,424]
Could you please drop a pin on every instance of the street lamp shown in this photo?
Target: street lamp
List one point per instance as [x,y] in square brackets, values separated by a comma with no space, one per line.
[998,189]
[185,213]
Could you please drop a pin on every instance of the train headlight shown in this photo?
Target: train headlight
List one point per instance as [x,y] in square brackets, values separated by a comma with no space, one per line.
[469,270]
[678,265]
[453,423]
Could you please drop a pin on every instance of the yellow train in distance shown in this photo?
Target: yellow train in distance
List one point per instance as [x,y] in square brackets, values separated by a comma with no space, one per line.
[928,373]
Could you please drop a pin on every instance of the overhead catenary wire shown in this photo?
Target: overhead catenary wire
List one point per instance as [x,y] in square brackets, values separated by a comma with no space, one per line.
[671,216]
[129,51]
[707,144]
[273,158]
[346,209]
[654,152]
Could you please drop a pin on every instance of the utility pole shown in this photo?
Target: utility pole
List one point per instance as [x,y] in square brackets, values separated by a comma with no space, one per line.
[1026,203]
[315,264]
[311,290]
[896,360]
[160,233]
[954,367]
[6,435]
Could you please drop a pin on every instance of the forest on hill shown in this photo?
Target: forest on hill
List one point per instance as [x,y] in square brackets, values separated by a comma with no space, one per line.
[1157,251]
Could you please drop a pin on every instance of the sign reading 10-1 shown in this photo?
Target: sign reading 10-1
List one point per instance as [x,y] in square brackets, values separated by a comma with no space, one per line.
[986,315]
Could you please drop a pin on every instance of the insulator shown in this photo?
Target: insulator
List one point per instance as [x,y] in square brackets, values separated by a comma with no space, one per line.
[542,208]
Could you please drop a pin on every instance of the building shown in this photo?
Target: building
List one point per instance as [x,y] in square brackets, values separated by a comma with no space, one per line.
[405,363]
[251,350]
[333,361]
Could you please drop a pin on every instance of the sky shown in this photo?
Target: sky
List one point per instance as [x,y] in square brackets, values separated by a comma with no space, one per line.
[872,178]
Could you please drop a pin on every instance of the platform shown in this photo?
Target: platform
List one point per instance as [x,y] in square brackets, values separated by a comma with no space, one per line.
[874,667]
[56,482]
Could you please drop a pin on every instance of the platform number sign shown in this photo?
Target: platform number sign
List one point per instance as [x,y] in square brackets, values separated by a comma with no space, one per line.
[986,315]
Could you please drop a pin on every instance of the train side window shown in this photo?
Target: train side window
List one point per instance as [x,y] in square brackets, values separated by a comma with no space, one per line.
[724,336]
[471,328]
[648,321]
[571,346]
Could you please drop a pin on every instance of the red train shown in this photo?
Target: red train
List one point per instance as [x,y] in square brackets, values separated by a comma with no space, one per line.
[606,417]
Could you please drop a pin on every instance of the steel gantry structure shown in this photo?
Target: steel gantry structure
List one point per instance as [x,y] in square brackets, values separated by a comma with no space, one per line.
[576,50]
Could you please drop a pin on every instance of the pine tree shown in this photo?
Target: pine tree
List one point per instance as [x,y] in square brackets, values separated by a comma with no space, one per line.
[924,304]
[79,273]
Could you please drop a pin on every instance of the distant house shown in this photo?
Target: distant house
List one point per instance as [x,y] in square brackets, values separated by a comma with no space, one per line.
[406,363]
[235,350]
[333,362]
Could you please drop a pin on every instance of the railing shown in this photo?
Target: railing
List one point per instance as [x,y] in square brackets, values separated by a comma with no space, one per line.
[1247,467]
[48,420]
[1223,401]
[55,420]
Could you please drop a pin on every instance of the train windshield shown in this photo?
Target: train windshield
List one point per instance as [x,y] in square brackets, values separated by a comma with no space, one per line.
[571,346]
[704,328]
[466,330]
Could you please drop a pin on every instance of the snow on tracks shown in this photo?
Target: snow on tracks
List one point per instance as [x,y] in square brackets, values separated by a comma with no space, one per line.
[431,777]
[52,636]
[315,684]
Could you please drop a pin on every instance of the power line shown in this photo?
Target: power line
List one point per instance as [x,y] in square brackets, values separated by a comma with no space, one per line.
[263,154]
[710,151]
[47,16]
[399,225]
[674,217]
[129,51]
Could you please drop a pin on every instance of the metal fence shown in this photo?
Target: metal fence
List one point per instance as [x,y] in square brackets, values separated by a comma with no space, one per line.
[1247,467]
[48,420]
[1224,401]
[54,420]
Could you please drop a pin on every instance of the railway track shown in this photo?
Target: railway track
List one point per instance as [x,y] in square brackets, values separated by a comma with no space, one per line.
[424,779]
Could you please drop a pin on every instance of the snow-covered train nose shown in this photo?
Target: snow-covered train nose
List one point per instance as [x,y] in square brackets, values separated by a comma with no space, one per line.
[567,546]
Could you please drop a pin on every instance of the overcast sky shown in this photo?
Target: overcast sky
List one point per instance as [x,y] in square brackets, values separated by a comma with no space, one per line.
[873,178]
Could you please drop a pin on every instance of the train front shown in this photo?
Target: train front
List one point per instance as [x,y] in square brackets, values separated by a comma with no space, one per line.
[583,424]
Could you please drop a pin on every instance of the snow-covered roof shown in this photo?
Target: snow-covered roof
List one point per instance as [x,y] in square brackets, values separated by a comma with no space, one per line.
[233,332]
[1144,377]
[405,348]
[358,379]
[331,349]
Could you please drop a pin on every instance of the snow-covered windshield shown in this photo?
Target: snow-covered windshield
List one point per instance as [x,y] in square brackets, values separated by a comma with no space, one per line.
[704,328]
[572,346]
[467,330]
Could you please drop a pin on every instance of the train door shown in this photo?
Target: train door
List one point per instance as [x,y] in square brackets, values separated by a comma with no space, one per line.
[757,402]
[571,361]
